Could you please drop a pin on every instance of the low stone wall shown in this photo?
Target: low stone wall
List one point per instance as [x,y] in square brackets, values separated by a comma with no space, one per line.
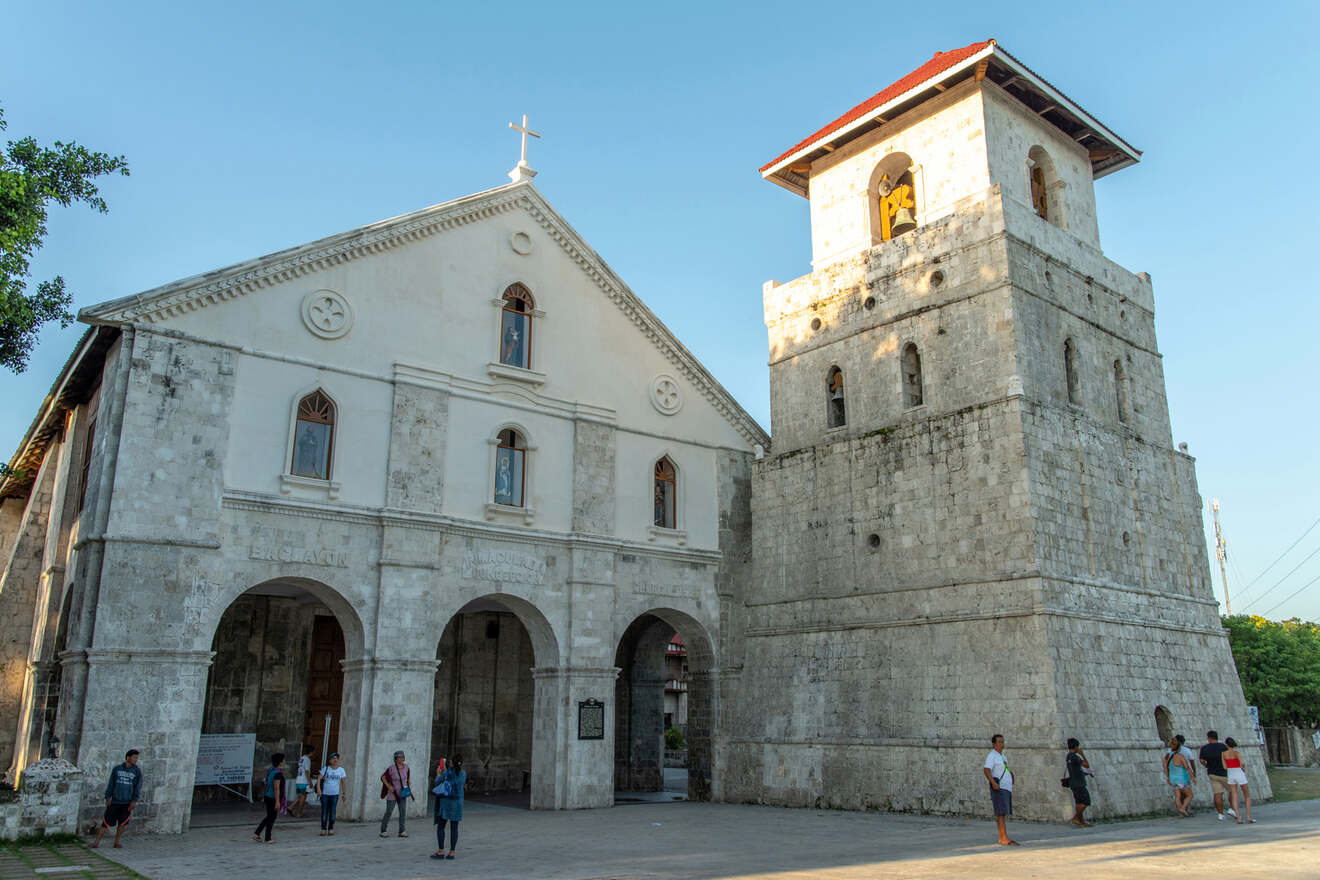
[676,758]
[49,794]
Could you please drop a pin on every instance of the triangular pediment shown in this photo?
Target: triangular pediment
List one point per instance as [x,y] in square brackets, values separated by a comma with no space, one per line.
[161,304]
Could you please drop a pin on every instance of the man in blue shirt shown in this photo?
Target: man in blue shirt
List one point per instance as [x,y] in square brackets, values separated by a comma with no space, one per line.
[121,796]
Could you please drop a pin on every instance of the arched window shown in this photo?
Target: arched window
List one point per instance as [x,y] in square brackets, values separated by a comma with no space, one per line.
[1072,369]
[912,386]
[516,327]
[893,197]
[836,416]
[313,436]
[666,494]
[1046,188]
[510,468]
[1120,391]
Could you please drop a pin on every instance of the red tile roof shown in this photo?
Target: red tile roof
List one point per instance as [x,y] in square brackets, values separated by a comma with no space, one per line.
[932,68]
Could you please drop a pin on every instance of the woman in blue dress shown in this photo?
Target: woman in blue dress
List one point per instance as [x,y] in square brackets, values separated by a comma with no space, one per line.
[448,806]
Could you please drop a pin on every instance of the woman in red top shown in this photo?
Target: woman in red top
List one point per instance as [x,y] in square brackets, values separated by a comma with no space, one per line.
[1237,778]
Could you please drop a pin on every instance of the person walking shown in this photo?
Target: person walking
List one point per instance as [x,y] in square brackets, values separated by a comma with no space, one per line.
[1000,778]
[396,788]
[1182,798]
[328,786]
[449,784]
[301,782]
[121,796]
[1179,773]
[1237,779]
[1212,759]
[1077,765]
[271,797]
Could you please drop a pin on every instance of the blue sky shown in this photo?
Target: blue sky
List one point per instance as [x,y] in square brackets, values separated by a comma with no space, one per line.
[251,127]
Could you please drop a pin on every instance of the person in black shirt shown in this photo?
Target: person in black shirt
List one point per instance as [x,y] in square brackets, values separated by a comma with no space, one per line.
[1212,759]
[1077,766]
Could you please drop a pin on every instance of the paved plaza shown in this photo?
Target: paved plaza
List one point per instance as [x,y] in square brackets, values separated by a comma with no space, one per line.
[698,840]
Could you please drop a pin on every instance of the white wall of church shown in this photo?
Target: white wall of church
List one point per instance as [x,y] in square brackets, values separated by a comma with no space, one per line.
[697,512]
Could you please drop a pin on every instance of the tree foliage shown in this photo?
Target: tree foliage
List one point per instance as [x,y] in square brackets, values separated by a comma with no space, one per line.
[1279,664]
[31,177]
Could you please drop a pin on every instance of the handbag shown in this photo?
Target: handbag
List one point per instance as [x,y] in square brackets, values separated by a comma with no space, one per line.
[444,789]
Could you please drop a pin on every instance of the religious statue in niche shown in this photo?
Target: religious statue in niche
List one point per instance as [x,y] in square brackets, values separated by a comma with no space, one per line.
[516,327]
[312,436]
[509,469]
[897,205]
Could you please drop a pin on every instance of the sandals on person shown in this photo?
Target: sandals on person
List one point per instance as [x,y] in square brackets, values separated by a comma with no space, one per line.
[403,833]
[437,855]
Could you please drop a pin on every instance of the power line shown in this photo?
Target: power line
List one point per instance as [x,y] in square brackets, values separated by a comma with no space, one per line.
[1294,595]
[1282,579]
[1279,557]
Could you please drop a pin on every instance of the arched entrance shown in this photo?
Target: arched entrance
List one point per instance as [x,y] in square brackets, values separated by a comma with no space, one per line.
[277,674]
[488,707]
[665,684]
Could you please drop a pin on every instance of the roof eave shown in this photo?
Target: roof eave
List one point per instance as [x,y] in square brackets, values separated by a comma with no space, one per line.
[780,174]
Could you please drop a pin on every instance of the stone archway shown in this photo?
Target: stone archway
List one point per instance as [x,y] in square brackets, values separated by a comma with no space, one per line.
[277,672]
[491,707]
[646,674]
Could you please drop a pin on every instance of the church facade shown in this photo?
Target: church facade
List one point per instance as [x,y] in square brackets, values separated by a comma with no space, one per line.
[444,483]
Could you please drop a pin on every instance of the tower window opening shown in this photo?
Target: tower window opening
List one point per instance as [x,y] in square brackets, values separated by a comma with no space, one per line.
[912,385]
[837,415]
[1071,365]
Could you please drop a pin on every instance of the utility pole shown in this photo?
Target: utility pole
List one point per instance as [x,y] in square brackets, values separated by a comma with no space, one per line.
[1221,553]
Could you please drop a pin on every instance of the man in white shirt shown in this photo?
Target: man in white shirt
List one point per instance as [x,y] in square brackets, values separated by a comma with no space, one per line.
[1000,778]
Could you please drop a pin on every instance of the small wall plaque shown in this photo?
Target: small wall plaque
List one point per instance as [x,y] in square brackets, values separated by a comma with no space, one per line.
[591,719]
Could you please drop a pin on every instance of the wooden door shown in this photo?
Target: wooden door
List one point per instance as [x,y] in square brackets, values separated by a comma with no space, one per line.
[325,687]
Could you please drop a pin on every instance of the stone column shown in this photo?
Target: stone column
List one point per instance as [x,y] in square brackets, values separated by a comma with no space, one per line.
[150,700]
[387,702]
[645,758]
[569,773]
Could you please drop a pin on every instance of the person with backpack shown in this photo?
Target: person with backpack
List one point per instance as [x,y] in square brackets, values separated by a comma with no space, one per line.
[396,789]
[448,791]
[271,797]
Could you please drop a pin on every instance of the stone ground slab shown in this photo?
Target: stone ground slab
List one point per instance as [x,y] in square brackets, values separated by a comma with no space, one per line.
[697,840]
[65,861]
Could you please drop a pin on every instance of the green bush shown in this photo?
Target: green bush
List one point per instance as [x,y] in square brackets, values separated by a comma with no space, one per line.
[674,740]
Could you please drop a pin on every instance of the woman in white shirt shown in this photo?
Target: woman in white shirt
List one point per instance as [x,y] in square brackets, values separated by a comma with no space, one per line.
[328,788]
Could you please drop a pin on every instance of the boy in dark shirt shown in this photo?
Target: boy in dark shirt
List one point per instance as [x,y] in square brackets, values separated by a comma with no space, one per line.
[1077,766]
[1212,759]
[121,796]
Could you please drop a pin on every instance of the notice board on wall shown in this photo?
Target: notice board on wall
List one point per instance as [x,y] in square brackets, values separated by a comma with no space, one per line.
[225,759]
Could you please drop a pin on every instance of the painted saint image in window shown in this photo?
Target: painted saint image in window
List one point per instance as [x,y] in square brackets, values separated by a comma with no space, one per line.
[516,327]
[666,494]
[509,467]
[313,435]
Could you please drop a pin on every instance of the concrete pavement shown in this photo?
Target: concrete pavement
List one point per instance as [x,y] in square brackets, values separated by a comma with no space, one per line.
[697,840]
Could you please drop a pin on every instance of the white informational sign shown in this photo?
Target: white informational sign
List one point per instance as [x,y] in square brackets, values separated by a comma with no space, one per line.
[1315,739]
[225,759]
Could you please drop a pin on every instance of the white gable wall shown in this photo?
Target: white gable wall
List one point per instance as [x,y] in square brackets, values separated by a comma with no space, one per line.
[429,305]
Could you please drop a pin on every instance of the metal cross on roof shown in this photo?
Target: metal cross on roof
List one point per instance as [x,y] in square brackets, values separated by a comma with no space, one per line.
[523,170]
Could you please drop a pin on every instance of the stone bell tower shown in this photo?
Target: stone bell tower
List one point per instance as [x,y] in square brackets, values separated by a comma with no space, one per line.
[972,519]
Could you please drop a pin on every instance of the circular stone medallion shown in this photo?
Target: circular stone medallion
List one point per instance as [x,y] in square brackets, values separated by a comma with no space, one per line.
[665,394]
[521,243]
[327,313]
